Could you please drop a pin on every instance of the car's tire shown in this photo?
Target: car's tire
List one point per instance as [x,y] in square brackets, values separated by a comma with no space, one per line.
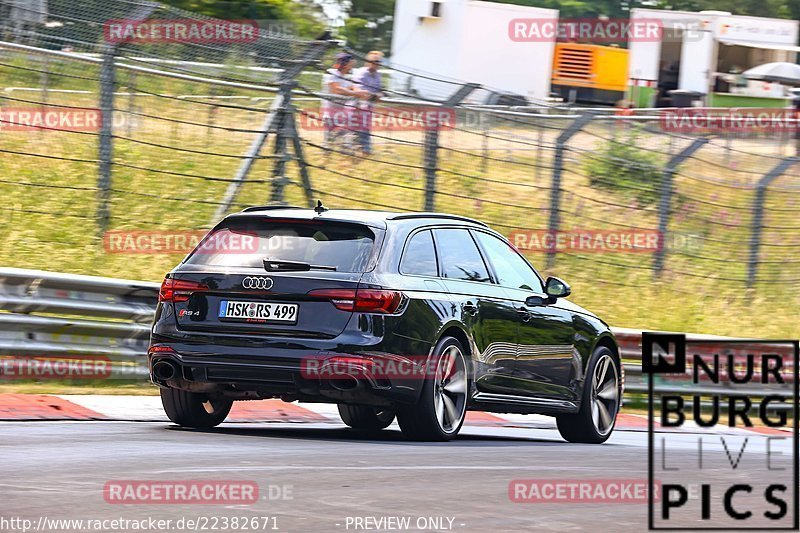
[440,411]
[191,409]
[600,401]
[366,418]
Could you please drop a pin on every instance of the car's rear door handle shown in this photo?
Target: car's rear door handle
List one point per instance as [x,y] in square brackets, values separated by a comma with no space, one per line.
[470,308]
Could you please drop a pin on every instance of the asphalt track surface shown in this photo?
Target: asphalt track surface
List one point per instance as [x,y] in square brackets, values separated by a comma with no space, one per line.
[58,470]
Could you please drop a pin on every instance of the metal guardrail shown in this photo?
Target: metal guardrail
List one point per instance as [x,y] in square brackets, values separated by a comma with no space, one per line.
[52,314]
[630,344]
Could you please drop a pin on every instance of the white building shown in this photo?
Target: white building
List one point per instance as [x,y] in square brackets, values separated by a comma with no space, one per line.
[697,49]
[468,40]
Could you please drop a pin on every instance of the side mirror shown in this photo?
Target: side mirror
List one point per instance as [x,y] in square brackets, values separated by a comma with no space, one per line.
[557,288]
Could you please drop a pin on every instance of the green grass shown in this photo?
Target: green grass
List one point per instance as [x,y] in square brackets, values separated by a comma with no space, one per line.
[53,228]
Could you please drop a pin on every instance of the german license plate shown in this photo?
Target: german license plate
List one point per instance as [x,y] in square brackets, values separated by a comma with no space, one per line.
[258,311]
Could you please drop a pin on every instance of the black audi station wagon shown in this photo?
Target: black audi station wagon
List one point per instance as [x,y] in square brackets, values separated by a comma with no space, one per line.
[413,316]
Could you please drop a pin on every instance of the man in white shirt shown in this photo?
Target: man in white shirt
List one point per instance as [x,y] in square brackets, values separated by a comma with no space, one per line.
[369,79]
[339,98]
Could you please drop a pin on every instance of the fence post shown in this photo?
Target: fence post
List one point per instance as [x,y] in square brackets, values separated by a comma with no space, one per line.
[430,157]
[665,201]
[312,54]
[484,146]
[758,214]
[108,80]
[297,146]
[431,149]
[539,150]
[558,169]
[106,152]
[282,131]
[131,103]
[45,81]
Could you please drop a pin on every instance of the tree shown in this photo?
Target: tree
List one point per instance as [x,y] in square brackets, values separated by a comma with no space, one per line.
[368,25]
[305,15]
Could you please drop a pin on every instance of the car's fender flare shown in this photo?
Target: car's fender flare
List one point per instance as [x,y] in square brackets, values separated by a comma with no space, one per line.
[607,338]
[456,329]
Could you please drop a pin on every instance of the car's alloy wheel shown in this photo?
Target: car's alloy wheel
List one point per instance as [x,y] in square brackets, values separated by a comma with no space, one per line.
[600,401]
[440,411]
[450,390]
[605,394]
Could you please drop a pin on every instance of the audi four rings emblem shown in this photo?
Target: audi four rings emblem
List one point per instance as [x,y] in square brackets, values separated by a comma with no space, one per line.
[253,282]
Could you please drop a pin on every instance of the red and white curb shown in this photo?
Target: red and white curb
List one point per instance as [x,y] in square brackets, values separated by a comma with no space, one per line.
[149,409]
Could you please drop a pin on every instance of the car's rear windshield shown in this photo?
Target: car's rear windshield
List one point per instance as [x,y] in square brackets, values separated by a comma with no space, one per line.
[246,242]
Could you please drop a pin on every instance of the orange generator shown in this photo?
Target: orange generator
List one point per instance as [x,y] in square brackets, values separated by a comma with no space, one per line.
[590,73]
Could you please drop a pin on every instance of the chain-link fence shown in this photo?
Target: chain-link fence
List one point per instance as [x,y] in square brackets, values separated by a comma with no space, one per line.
[156,135]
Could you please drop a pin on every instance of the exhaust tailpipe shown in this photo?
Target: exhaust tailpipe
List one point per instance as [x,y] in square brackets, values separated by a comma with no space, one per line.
[164,370]
[345,383]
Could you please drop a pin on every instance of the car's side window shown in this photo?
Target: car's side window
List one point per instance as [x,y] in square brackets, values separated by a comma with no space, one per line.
[509,267]
[419,258]
[459,257]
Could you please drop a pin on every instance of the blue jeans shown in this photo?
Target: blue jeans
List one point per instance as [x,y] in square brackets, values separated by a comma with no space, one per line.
[365,141]
[364,133]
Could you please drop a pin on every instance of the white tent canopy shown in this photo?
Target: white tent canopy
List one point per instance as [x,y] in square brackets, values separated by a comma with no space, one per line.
[762,46]
[781,72]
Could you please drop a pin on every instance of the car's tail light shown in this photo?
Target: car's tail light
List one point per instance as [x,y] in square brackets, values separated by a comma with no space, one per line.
[160,348]
[178,290]
[361,300]
[378,301]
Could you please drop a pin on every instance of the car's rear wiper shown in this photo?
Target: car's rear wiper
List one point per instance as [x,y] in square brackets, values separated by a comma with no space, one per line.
[279,265]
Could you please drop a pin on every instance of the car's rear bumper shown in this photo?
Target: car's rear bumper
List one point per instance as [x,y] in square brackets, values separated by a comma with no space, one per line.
[289,372]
